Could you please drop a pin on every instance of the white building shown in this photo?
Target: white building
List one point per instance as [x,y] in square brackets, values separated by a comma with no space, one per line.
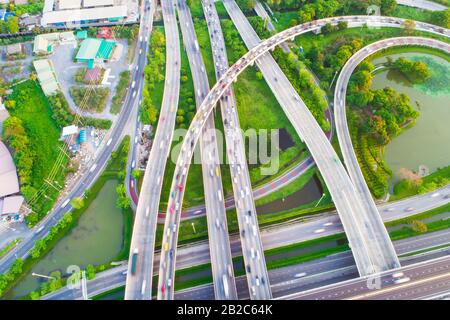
[76,13]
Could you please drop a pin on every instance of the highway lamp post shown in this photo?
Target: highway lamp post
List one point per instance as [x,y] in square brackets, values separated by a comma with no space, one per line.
[42,276]
[334,77]
[323,195]
[193,227]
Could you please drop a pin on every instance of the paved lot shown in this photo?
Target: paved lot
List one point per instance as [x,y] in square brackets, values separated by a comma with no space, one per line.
[66,68]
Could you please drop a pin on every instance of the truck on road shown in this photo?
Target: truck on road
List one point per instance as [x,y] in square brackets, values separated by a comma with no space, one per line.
[134,260]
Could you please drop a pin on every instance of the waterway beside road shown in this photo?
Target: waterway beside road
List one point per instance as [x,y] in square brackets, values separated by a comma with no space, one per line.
[96,239]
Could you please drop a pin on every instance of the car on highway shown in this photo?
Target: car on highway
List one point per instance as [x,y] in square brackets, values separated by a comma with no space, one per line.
[436,194]
[409,209]
[65,203]
[144,283]
[166,246]
[319,230]
[401,280]
[300,275]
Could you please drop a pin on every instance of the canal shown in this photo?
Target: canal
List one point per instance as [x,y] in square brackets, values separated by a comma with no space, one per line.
[96,239]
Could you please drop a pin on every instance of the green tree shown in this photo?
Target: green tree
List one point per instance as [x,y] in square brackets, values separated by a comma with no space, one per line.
[77,202]
[388,6]
[137,173]
[409,26]
[90,272]
[13,24]
[419,226]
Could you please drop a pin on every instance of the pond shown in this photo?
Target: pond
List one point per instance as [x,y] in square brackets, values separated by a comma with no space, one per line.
[311,191]
[427,143]
[96,239]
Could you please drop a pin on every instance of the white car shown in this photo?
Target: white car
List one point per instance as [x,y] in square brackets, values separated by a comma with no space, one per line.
[300,275]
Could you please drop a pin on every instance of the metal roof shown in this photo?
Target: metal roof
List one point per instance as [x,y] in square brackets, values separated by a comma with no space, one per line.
[12,204]
[69,4]
[97,3]
[9,183]
[46,76]
[89,48]
[97,13]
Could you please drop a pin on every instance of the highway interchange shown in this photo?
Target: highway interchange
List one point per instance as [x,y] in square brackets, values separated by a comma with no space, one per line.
[110,143]
[320,272]
[139,285]
[219,89]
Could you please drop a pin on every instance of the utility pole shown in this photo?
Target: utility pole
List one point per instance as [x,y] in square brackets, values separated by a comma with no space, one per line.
[42,276]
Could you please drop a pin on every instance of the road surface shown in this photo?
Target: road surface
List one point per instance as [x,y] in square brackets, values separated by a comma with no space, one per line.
[139,282]
[367,235]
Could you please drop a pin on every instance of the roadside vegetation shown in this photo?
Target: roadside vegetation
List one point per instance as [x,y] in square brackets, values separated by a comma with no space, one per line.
[9,246]
[30,125]
[90,99]
[64,116]
[121,91]
[154,74]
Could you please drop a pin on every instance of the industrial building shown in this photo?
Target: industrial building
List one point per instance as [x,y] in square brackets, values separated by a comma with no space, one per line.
[76,13]
[95,50]
[10,202]
[44,43]
[46,75]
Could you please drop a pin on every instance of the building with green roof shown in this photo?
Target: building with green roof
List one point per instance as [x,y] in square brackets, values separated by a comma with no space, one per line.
[93,49]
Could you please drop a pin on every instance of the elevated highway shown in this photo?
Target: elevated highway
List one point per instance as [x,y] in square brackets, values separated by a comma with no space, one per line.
[219,243]
[368,238]
[139,280]
[222,86]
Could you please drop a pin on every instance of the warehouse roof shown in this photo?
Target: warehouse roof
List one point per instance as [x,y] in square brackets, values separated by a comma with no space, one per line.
[69,4]
[9,183]
[46,76]
[83,14]
[89,48]
[97,3]
[12,204]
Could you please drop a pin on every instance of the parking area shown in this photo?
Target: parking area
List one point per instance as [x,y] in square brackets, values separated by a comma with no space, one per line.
[66,67]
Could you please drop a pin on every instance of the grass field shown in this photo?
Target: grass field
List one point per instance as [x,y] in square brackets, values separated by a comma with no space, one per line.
[33,108]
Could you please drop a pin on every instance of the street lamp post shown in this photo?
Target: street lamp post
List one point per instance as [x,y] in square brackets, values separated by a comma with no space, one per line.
[323,195]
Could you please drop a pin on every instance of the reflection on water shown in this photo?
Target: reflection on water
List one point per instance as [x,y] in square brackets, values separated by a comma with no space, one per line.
[428,141]
[96,239]
[310,192]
